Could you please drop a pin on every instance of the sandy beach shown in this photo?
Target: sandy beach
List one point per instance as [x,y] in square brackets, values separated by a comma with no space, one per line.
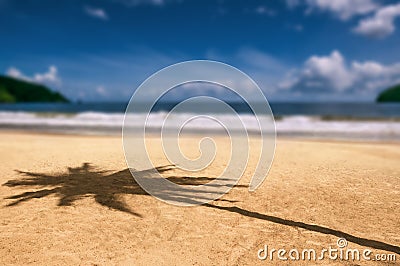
[71,200]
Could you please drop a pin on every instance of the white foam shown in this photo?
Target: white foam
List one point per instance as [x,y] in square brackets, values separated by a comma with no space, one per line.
[289,125]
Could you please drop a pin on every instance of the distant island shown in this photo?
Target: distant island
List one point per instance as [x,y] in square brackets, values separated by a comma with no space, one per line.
[18,91]
[391,94]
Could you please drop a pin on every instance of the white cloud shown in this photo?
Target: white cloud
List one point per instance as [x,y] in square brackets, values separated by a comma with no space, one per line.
[292,3]
[381,24]
[16,73]
[378,25]
[50,77]
[96,12]
[131,3]
[330,68]
[332,73]
[101,90]
[343,9]
[263,10]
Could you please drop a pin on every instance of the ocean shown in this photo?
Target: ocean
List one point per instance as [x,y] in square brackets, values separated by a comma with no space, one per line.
[348,121]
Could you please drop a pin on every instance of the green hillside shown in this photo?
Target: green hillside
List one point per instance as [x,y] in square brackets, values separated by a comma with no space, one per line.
[16,91]
[390,95]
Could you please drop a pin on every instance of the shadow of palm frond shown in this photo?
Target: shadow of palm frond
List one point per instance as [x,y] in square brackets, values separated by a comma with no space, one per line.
[105,187]
[77,183]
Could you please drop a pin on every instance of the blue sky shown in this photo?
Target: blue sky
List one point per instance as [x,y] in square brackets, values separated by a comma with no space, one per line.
[297,50]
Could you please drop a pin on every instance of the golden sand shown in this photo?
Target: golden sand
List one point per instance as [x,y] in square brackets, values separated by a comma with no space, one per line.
[72,200]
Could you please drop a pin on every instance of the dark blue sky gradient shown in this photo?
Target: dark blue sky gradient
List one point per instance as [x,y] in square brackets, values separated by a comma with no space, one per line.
[134,41]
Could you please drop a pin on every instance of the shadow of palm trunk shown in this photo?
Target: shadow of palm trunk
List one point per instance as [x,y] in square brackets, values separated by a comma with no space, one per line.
[311,227]
[108,188]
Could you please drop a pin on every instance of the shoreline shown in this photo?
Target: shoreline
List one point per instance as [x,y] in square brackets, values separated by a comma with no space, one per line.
[193,134]
[304,126]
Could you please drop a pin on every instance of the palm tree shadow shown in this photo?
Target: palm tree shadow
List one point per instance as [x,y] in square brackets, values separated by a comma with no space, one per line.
[108,188]
[78,183]
[311,227]
[105,187]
